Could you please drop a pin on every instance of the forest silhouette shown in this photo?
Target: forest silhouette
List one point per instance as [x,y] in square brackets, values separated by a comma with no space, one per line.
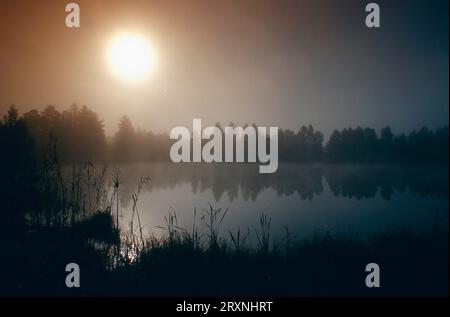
[80,136]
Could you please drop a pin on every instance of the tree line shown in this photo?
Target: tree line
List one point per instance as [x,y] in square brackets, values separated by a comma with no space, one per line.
[78,135]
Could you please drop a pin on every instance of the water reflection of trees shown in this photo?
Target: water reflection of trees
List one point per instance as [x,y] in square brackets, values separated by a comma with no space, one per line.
[365,182]
[351,181]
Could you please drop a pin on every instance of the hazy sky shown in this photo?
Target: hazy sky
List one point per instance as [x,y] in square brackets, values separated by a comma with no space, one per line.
[276,63]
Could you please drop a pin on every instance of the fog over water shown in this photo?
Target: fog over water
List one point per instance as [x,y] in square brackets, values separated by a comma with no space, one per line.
[351,199]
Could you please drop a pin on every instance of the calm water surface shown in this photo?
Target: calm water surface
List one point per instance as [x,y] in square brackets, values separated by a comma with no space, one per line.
[356,200]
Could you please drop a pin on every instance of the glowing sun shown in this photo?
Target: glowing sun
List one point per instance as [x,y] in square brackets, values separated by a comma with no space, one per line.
[131,57]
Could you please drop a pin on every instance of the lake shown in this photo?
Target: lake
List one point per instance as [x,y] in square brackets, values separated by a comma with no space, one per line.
[357,200]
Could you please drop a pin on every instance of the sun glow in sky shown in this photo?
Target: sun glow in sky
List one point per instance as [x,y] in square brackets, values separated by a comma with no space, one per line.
[131,57]
[275,63]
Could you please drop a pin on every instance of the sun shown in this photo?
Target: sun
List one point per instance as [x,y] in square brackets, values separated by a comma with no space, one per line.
[131,57]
